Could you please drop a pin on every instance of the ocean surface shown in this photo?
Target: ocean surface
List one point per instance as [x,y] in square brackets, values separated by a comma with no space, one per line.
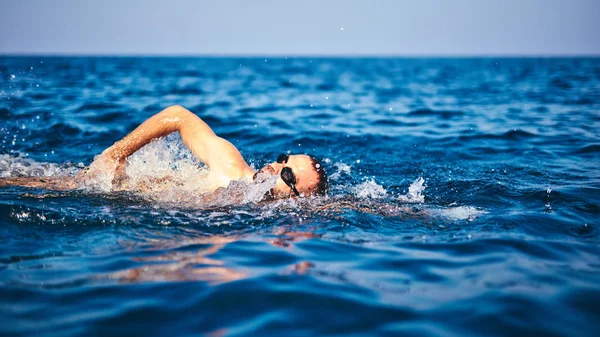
[465,199]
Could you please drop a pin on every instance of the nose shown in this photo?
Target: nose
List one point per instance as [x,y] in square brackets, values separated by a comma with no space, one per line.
[272,169]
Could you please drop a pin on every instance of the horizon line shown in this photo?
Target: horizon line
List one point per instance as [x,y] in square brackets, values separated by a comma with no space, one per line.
[302,55]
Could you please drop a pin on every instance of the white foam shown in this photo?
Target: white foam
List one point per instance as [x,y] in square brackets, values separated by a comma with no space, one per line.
[166,158]
[469,213]
[255,192]
[415,192]
[369,189]
[165,171]
[340,168]
[25,167]
[186,182]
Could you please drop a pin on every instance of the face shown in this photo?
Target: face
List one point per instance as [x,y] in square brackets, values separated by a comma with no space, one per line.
[301,166]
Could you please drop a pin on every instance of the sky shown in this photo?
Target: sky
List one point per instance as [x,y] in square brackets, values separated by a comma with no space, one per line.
[301,27]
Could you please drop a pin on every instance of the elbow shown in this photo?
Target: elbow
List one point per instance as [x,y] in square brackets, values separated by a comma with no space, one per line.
[177,112]
[177,109]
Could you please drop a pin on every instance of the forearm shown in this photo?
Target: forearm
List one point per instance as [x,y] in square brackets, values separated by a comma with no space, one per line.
[195,133]
[163,123]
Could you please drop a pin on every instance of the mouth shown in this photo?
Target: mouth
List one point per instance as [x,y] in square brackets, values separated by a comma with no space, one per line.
[264,174]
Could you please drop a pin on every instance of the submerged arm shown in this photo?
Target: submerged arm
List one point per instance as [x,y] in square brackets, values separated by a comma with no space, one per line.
[48,183]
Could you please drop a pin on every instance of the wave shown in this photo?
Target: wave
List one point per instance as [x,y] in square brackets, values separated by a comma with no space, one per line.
[268,108]
[97,107]
[64,129]
[514,135]
[443,114]
[188,90]
[588,149]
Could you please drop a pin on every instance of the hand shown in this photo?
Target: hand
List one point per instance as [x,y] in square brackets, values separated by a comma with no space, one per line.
[120,176]
[102,170]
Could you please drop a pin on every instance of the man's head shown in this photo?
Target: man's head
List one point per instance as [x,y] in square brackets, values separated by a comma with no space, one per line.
[297,173]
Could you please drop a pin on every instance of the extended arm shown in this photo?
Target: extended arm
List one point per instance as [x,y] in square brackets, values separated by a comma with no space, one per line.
[216,152]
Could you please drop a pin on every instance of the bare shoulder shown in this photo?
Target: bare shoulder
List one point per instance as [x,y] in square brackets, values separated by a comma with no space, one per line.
[225,157]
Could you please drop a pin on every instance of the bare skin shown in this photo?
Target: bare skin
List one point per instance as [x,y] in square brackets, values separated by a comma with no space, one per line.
[223,159]
[49,183]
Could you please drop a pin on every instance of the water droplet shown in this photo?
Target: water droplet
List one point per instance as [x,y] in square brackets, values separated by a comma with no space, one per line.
[12,77]
[326,97]
[342,28]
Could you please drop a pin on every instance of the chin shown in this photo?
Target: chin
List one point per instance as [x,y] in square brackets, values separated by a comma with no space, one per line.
[269,196]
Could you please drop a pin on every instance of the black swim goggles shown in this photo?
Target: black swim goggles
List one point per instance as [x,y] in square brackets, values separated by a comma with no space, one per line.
[287,175]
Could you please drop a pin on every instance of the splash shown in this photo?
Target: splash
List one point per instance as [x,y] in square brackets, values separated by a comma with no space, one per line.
[547,204]
[165,162]
[415,192]
[468,213]
[166,172]
[255,192]
[369,190]
[340,169]
[25,167]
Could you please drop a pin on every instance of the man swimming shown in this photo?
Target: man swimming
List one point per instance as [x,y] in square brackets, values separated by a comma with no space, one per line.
[297,175]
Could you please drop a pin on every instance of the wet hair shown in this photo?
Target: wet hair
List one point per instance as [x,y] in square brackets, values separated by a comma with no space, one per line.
[323,183]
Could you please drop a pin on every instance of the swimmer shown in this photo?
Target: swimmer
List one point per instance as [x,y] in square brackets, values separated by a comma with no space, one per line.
[297,175]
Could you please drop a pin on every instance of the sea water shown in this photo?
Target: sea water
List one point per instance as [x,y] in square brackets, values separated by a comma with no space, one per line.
[465,198]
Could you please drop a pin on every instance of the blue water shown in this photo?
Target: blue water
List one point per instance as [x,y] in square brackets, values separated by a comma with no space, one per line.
[465,199]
